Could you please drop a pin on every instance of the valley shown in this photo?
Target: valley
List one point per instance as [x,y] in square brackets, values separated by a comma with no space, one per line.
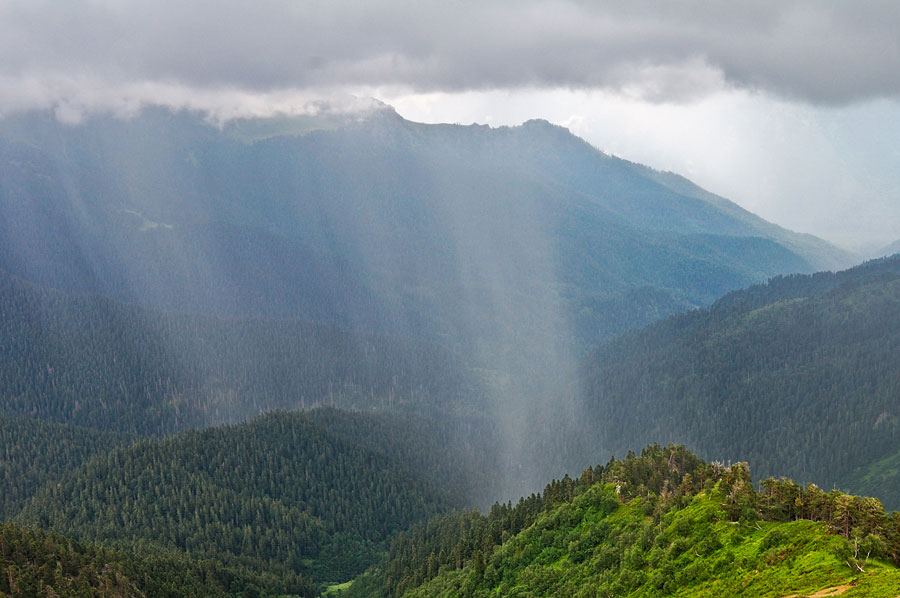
[305,355]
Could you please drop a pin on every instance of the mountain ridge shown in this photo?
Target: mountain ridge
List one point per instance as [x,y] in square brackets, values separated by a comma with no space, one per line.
[796,375]
[121,159]
[661,523]
[510,247]
[316,493]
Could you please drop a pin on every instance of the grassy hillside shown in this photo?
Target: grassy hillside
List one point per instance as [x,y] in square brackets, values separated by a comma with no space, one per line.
[662,524]
[799,376]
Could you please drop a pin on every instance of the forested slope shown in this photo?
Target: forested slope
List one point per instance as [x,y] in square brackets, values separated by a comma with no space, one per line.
[363,261]
[94,362]
[799,376]
[35,452]
[285,493]
[662,524]
[36,563]
[373,223]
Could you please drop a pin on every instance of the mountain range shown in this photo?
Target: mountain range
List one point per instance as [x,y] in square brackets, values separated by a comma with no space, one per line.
[798,376]
[375,223]
[249,355]
[507,247]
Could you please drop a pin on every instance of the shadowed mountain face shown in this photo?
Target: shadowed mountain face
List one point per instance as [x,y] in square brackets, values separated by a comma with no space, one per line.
[797,376]
[100,364]
[516,247]
[379,223]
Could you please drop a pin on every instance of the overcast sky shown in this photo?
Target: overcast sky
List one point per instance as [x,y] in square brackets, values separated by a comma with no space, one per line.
[790,108]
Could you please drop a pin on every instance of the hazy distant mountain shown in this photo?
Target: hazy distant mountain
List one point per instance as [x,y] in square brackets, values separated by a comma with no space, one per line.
[890,249]
[798,377]
[380,223]
[517,247]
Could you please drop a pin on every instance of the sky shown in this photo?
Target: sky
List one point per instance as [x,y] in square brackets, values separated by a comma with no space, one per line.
[791,108]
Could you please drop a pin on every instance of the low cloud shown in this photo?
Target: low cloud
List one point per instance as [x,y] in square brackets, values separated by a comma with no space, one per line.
[80,55]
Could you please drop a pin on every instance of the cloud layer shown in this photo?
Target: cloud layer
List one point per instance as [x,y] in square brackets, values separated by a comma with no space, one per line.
[83,53]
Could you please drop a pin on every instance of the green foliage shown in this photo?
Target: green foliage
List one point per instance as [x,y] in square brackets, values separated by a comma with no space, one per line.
[798,376]
[35,452]
[102,364]
[628,529]
[320,492]
[35,564]
[39,564]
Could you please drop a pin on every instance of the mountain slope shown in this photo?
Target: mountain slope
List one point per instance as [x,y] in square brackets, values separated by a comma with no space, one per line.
[517,247]
[799,375]
[891,249]
[662,524]
[41,564]
[36,452]
[282,494]
[98,363]
[377,223]
[820,254]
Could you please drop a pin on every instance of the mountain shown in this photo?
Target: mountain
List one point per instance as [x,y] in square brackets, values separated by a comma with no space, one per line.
[797,376]
[375,223]
[516,249]
[160,275]
[36,563]
[891,249]
[661,524]
[98,363]
[36,452]
[318,493]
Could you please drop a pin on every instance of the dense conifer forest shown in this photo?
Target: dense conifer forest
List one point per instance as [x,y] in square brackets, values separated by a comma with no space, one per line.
[36,563]
[659,524]
[319,493]
[799,376]
[36,452]
[289,357]
[102,364]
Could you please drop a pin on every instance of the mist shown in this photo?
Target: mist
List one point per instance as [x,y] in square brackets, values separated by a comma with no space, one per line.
[772,105]
[467,271]
[269,323]
[354,224]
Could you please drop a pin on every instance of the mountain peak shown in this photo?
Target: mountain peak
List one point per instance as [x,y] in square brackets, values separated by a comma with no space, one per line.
[540,123]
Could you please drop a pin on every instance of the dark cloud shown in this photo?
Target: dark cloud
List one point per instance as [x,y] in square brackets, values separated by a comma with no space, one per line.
[83,52]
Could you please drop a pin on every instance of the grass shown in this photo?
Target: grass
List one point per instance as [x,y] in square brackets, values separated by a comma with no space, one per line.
[695,552]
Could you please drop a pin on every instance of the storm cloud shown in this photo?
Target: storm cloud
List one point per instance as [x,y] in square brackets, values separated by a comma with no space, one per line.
[81,54]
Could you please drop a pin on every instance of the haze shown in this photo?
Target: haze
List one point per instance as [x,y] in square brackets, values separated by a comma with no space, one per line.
[789,108]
